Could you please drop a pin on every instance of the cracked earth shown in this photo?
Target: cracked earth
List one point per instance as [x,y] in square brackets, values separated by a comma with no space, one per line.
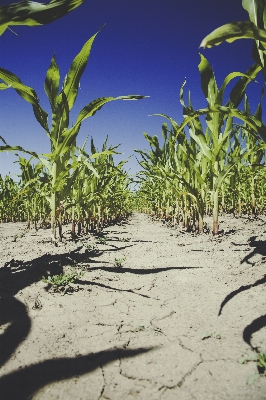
[168,322]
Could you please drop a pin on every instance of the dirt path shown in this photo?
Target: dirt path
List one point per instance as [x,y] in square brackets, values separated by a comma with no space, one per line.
[148,329]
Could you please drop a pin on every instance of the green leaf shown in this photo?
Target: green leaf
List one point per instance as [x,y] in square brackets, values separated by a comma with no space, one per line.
[3,86]
[27,93]
[238,91]
[251,121]
[252,378]
[206,336]
[51,84]
[242,360]
[208,82]
[233,31]
[76,70]
[69,135]
[32,13]
[227,80]
[96,105]
[255,9]
[18,148]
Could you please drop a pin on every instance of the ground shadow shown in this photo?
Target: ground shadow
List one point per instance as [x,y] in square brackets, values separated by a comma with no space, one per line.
[239,290]
[259,248]
[23,383]
[111,288]
[138,271]
[255,326]
[14,315]
[15,276]
[115,248]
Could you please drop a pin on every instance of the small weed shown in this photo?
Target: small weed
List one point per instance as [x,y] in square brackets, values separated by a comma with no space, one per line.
[262,362]
[62,283]
[101,240]
[260,358]
[214,335]
[119,262]
[91,248]
[124,239]
[80,266]
[14,239]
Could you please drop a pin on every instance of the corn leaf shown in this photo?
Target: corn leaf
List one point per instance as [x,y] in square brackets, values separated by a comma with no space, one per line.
[75,72]
[3,86]
[251,121]
[224,173]
[18,148]
[208,82]
[32,13]
[27,93]
[70,135]
[257,11]
[227,80]
[238,91]
[233,31]
[51,83]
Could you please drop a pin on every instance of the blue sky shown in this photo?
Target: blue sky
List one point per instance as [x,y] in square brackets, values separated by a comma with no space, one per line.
[147,47]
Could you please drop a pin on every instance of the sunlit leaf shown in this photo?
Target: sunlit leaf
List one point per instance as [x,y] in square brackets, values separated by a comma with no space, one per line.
[233,31]
[32,13]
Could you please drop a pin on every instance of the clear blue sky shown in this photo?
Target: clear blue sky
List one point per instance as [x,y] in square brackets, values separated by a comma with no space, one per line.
[147,47]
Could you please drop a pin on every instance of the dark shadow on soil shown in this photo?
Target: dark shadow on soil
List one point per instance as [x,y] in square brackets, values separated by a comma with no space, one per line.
[13,313]
[259,248]
[15,276]
[117,248]
[23,383]
[112,288]
[255,326]
[241,289]
[138,271]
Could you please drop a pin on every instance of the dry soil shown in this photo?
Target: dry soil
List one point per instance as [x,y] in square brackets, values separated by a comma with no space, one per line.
[169,322]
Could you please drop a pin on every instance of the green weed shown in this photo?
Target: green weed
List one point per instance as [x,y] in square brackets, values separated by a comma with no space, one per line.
[124,239]
[260,358]
[119,262]
[101,240]
[91,247]
[214,335]
[62,283]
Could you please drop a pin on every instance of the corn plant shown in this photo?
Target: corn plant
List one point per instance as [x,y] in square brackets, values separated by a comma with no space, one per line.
[62,138]
[34,180]
[9,211]
[216,116]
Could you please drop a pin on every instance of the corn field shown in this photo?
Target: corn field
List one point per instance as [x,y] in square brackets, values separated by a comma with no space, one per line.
[99,194]
[210,163]
[176,183]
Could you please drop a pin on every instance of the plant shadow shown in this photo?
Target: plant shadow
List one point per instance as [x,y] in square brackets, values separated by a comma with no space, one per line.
[259,248]
[24,383]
